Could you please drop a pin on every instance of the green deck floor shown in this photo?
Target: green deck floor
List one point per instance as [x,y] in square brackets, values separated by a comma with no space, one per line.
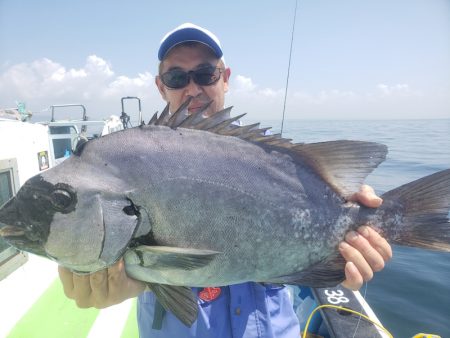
[55,316]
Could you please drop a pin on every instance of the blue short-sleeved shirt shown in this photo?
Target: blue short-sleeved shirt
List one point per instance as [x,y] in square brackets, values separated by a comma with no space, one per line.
[248,310]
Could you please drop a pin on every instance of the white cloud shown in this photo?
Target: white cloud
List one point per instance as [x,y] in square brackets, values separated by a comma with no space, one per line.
[121,84]
[44,82]
[245,84]
[271,93]
[96,65]
[391,101]
[401,89]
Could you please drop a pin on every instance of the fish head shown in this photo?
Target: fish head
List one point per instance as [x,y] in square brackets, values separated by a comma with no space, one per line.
[83,222]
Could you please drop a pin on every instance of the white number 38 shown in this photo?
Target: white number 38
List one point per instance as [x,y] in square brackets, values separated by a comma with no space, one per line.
[336,297]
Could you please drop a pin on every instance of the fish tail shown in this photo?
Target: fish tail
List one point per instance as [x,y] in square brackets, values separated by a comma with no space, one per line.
[417,213]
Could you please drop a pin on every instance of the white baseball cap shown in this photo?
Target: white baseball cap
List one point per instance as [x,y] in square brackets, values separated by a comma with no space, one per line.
[189,32]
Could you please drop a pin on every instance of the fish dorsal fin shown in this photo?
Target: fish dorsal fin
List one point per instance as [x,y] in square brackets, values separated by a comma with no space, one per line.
[219,123]
[163,117]
[343,164]
[80,146]
[153,119]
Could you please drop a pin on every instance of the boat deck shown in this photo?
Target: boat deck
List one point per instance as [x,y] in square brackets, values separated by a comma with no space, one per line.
[34,306]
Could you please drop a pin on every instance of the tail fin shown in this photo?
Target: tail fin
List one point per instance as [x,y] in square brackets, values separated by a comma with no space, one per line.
[417,214]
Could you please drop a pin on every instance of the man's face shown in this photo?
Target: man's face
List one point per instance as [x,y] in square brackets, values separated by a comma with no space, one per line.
[190,58]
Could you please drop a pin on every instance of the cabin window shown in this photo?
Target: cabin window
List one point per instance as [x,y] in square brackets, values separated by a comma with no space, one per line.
[63,139]
[6,190]
[6,193]
[10,258]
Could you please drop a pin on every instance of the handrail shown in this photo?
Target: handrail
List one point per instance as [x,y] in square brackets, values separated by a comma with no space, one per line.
[67,105]
[85,118]
[124,117]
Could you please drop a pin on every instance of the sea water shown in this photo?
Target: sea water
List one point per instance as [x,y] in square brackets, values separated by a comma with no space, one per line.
[412,293]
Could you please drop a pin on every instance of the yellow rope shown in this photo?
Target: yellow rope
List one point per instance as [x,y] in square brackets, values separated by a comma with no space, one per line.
[343,309]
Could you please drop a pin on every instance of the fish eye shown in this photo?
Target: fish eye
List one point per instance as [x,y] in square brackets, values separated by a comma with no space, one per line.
[132,209]
[61,199]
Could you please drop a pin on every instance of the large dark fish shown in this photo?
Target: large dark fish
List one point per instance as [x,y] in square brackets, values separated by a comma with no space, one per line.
[193,201]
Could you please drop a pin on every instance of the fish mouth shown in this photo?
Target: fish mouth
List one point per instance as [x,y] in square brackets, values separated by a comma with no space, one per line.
[20,239]
[29,233]
[11,231]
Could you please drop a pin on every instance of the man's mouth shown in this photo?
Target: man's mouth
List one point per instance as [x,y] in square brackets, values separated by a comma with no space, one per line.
[195,109]
[198,103]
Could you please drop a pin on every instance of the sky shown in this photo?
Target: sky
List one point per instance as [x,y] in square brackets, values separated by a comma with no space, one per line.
[351,59]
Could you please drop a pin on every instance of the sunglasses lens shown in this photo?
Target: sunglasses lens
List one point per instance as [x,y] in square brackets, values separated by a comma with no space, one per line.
[206,76]
[175,79]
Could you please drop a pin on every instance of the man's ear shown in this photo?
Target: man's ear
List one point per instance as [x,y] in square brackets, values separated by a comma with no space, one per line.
[226,78]
[161,87]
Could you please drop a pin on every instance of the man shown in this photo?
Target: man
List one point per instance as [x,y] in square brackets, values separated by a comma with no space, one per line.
[192,65]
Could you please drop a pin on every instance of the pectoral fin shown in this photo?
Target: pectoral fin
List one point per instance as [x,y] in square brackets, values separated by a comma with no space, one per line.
[177,299]
[164,257]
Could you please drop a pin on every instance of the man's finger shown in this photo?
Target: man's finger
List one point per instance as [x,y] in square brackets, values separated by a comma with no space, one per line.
[366,251]
[67,281]
[367,197]
[353,279]
[377,241]
[82,290]
[120,285]
[353,255]
[99,288]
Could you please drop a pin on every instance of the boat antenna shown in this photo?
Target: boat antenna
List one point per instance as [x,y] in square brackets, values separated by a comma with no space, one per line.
[289,67]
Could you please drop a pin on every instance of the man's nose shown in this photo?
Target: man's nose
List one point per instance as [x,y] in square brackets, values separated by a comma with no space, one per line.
[192,89]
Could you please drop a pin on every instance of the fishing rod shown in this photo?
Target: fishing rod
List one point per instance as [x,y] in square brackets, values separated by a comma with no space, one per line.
[281,135]
[289,68]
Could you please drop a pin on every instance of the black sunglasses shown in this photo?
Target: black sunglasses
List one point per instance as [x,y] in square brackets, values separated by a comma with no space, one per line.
[177,78]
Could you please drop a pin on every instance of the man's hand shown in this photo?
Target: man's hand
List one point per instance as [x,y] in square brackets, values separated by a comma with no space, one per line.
[364,250]
[101,289]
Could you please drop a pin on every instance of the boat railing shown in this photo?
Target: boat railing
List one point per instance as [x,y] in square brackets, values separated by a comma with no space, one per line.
[124,117]
[84,116]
